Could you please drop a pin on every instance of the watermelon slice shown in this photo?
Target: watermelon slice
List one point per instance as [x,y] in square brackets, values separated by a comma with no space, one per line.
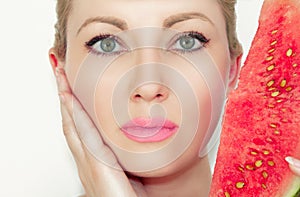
[261,124]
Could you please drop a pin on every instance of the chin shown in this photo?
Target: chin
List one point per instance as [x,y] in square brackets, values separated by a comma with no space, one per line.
[184,162]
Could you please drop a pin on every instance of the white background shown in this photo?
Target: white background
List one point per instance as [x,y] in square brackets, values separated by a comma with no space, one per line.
[34,158]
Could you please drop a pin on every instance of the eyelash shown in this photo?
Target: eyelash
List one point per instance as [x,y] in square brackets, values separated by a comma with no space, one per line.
[194,34]
[89,44]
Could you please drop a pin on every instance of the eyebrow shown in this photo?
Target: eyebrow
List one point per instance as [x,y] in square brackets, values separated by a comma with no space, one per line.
[119,23]
[177,18]
[168,22]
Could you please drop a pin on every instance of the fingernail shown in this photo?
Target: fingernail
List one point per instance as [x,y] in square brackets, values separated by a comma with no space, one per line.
[293,161]
[61,98]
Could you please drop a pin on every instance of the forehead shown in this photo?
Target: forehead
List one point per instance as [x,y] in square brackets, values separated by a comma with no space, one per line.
[140,13]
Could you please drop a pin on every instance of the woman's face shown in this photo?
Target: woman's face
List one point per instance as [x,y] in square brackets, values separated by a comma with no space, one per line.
[154,111]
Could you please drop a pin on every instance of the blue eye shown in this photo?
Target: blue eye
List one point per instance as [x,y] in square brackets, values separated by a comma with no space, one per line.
[105,45]
[190,41]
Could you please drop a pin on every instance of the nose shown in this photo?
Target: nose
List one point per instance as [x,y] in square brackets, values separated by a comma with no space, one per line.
[148,77]
[151,92]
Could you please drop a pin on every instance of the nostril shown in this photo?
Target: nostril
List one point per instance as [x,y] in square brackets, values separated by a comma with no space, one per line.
[159,95]
[149,93]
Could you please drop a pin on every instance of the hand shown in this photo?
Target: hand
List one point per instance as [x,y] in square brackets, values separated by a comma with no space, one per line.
[97,178]
[294,165]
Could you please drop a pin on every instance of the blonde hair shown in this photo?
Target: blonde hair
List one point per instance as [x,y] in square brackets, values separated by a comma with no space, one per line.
[228,8]
[63,9]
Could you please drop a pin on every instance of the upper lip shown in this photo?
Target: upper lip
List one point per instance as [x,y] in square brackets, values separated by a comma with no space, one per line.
[146,127]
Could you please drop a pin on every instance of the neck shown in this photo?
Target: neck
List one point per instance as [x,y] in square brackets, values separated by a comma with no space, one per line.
[193,179]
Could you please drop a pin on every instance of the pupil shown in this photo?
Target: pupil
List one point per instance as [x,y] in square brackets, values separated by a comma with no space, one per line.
[187,42]
[108,45]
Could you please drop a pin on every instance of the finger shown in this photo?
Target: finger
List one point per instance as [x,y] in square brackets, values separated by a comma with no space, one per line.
[295,170]
[82,121]
[69,130]
[62,82]
[80,131]
[90,136]
[68,125]
[294,165]
[83,125]
[137,186]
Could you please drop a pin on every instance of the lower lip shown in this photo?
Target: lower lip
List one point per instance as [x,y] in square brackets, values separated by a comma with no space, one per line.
[149,129]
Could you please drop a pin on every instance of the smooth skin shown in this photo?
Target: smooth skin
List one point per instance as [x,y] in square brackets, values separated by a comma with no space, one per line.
[190,174]
[99,179]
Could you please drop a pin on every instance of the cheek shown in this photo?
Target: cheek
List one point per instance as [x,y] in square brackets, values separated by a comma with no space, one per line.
[221,57]
[103,101]
[210,89]
[203,95]
[75,56]
[107,105]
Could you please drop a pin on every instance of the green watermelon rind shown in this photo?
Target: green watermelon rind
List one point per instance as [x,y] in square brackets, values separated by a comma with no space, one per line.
[294,190]
[297,194]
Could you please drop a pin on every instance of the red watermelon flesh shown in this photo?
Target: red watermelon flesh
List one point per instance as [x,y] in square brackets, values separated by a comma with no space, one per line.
[261,124]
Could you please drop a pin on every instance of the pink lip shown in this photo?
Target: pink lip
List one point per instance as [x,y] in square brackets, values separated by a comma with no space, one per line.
[149,129]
